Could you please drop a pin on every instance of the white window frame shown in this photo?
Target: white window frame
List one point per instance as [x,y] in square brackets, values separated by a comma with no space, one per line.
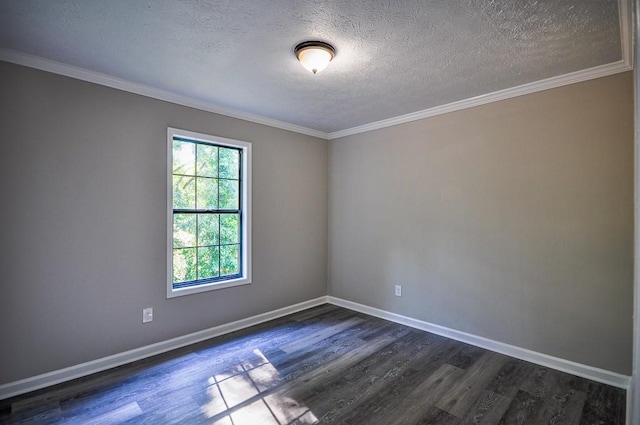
[245,206]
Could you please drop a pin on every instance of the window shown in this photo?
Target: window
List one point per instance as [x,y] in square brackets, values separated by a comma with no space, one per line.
[209,213]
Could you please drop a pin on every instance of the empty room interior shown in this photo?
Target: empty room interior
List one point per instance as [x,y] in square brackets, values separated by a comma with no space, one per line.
[372,212]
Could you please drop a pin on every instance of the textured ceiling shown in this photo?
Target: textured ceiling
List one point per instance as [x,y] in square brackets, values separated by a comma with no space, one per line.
[393,57]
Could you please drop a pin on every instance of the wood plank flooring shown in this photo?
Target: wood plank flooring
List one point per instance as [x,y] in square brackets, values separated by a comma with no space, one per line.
[326,365]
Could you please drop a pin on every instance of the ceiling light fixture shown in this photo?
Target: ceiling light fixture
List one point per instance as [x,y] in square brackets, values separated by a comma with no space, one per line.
[314,55]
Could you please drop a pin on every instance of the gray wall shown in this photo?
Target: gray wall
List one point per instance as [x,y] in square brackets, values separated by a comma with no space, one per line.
[512,221]
[84,222]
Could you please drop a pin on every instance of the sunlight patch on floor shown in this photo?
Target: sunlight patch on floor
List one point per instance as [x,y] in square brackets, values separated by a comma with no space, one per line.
[245,381]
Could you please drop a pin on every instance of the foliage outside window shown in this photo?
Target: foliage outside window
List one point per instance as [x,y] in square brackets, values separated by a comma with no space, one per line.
[209,212]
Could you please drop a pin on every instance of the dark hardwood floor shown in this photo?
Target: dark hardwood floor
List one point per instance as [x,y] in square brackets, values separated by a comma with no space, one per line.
[325,365]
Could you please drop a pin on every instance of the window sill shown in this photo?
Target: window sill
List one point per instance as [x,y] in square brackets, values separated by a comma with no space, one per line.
[213,286]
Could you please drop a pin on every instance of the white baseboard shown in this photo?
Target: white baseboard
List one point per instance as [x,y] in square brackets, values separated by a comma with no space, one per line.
[57,376]
[568,366]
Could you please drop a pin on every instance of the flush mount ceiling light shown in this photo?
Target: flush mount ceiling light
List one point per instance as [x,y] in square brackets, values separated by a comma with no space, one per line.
[314,55]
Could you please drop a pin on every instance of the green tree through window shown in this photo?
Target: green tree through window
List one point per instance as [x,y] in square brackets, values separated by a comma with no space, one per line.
[206,212]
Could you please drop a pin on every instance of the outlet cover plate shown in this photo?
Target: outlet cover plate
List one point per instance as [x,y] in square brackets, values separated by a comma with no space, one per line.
[147,315]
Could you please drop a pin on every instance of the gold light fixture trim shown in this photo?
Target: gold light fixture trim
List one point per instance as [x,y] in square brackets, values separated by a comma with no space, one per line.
[315,55]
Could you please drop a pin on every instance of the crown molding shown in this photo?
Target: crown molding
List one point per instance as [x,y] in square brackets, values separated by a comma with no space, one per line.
[625,64]
[55,67]
[549,83]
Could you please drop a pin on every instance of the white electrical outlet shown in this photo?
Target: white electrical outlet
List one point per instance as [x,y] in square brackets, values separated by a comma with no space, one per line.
[398,290]
[147,315]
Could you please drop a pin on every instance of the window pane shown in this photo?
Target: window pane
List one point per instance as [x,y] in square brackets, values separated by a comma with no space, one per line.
[184,230]
[229,260]
[208,262]
[229,228]
[229,195]
[208,230]
[184,192]
[184,264]
[207,160]
[184,158]
[206,213]
[207,193]
[229,163]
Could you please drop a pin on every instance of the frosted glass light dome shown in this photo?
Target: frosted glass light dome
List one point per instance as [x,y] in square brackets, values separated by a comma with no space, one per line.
[314,55]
